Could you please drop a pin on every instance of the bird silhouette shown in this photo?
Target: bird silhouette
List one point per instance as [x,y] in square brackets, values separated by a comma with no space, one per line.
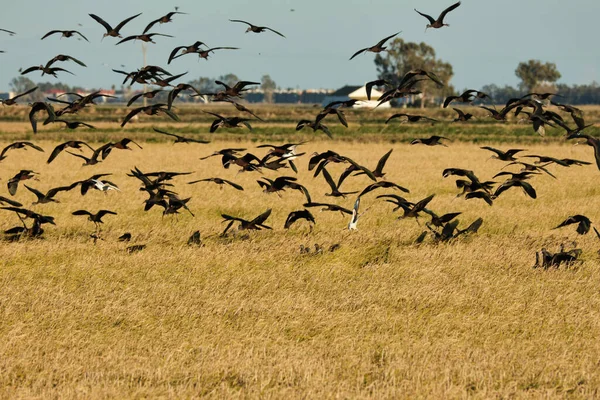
[13,100]
[19,145]
[64,34]
[583,223]
[75,144]
[378,48]
[180,139]
[110,31]
[219,181]
[439,22]
[22,175]
[298,215]
[257,223]
[95,218]
[431,141]
[255,28]
[162,20]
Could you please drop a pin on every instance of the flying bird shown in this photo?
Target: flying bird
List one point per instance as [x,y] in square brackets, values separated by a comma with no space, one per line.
[162,20]
[297,215]
[378,48]
[64,34]
[583,223]
[439,22]
[13,100]
[110,31]
[255,28]
[180,139]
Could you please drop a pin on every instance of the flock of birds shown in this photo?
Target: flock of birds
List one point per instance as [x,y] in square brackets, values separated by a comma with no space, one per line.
[161,191]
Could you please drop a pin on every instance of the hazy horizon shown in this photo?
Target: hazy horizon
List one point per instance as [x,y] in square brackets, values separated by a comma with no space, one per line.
[484,43]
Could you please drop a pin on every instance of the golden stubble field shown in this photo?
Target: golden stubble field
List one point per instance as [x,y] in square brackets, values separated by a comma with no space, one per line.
[249,316]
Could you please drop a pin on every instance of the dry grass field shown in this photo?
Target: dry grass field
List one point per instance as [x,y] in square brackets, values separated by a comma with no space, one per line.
[248,315]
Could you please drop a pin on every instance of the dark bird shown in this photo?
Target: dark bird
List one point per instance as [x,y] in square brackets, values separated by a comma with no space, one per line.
[110,31]
[329,207]
[297,215]
[432,141]
[135,248]
[584,223]
[377,172]
[95,218]
[531,167]
[466,97]
[242,108]
[126,237]
[335,192]
[93,160]
[121,145]
[590,141]
[19,145]
[248,162]
[22,175]
[517,176]
[195,239]
[46,70]
[74,124]
[237,89]
[257,223]
[220,182]
[178,89]
[180,139]
[185,50]
[378,48]
[162,20]
[49,196]
[315,126]
[411,118]
[63,58]
[147,95]
[64,34]
[206,53]
[440,221]
[281,183]
[224,122]
[382,184]
[527,188]
[508,155]
[75,144]
[222,152]
[144,37]
[547,160]
[13,100]
[481,194]
[11,33]
[439,22]
[150,110]
[9,201]
[255,28]
[462,116]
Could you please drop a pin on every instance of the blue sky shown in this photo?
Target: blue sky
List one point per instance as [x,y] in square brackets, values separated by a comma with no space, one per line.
[484,43]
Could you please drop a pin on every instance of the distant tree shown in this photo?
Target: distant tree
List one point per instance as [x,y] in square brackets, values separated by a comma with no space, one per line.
[402,57]
[268,87]
[533,72]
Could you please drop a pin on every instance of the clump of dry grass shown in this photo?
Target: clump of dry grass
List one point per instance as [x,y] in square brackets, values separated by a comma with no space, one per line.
[249,315]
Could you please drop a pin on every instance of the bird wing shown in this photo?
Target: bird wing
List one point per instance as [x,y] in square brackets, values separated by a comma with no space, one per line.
[382,41]
[57,151]
[261,218]
[382,161]
[329,180]
[79,33]
[274,31]
[82,212]
[128,38]
[358,52]
[449,100]
[101,22]
[37,193]
[102,213]
[233,184]
[49,34]
[131,114]
[243,22]
[76,60]
[165,133]
[447,10]
[151,24]
[122,23]
[429,17]
[395,116]
[173,54]
[30,69]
